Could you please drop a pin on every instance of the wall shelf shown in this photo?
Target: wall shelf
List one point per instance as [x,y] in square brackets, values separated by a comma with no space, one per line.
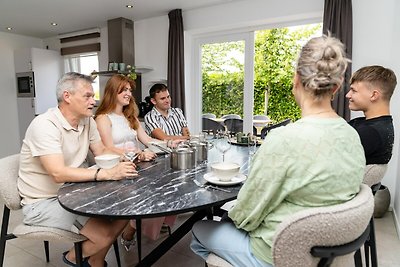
[143,69]
[109,72]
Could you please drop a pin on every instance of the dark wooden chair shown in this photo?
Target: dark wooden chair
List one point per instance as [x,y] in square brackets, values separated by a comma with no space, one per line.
[266,129]
[212,126]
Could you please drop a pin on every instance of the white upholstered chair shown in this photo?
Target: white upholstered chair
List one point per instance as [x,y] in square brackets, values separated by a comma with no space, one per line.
[336,231]
[373,176]
[9,194]
[231,116]
[209,115]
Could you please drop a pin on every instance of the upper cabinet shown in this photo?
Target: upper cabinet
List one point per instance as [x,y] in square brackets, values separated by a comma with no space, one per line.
[23,60]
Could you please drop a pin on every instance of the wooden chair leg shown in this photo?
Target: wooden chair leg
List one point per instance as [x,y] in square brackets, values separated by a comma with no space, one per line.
[46,250]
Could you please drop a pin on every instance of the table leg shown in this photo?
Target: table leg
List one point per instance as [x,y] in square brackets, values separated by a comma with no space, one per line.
[174,238]
[139,238]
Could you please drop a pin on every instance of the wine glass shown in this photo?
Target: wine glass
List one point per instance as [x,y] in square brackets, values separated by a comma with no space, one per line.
[252,144]
[222,143]
[130,150]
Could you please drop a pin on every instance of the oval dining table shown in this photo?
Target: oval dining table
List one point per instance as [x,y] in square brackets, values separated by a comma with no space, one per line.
[158,191]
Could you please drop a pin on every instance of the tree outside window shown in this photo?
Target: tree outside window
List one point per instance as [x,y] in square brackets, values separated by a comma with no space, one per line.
[275,53]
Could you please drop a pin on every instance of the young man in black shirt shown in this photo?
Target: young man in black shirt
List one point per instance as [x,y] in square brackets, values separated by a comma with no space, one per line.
[371,88]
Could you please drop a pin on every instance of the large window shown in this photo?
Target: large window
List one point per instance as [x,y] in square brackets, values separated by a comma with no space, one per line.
[252,74]
[85,64]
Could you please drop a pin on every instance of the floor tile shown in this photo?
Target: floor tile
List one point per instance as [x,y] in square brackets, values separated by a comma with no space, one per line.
[24,252]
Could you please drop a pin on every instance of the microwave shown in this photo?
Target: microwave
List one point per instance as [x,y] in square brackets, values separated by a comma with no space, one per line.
[25,84]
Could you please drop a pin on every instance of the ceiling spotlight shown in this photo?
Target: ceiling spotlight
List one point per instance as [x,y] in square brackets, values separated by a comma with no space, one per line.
[53,24]
[9,29]
[129,6]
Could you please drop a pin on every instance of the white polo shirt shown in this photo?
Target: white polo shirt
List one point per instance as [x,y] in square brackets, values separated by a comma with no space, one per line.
[50,133]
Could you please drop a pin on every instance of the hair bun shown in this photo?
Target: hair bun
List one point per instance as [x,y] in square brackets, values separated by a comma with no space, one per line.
[322,64]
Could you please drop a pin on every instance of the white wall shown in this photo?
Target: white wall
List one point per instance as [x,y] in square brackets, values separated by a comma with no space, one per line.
[376,41]
[9,134]
[151,49]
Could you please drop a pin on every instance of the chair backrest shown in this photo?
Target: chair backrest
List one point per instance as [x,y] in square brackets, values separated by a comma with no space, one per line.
[261,117]
[209,115]
[266,129]
[231,116]
[210,125]
[374,173]
[9,167]
[234,125]
[322,226]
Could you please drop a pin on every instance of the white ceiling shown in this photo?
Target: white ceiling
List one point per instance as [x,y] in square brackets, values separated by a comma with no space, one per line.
[33,17]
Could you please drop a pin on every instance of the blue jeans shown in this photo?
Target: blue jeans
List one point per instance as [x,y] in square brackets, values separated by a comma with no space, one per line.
[226,241]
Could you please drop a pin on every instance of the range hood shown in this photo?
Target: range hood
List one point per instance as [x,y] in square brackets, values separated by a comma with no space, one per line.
[121,47]
[121,41]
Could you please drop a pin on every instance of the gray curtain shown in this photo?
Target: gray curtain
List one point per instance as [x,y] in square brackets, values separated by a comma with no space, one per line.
[338,20]
[176,64]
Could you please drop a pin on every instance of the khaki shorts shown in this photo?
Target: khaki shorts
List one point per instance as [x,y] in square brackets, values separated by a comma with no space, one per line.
[48,212]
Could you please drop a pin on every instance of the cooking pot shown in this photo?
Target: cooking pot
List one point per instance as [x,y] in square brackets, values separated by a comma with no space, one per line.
[183,157]
[200,150]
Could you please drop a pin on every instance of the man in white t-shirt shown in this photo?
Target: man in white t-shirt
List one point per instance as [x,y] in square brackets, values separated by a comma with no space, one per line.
[164,122]
[53,152]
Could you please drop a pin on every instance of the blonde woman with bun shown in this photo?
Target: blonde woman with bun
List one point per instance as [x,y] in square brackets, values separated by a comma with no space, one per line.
[316,161]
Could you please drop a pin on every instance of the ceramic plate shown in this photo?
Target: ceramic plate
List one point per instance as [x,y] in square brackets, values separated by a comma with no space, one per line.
[212,178]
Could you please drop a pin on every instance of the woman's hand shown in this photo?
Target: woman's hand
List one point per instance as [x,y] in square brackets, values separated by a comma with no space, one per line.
[147,155]
[122,170]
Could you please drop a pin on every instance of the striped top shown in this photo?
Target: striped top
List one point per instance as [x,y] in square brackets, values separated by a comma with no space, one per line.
[171,125]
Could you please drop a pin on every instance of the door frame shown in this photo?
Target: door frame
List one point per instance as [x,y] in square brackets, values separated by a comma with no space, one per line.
[195,98]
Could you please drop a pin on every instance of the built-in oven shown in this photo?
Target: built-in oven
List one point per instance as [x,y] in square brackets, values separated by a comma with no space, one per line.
[25,84]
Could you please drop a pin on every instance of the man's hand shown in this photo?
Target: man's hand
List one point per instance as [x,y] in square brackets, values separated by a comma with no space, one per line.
[122,170]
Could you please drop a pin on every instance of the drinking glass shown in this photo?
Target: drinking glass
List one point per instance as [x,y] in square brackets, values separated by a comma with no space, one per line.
[130,150]
[252,144]
[222,143]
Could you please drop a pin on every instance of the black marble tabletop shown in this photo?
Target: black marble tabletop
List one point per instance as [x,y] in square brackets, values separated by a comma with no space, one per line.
[157,191]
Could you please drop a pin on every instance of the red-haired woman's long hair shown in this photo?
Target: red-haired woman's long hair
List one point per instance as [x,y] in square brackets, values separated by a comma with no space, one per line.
[115,85]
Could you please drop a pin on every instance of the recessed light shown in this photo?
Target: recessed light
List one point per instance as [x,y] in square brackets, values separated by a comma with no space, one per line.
[53,24]
[129,6]
[9,29]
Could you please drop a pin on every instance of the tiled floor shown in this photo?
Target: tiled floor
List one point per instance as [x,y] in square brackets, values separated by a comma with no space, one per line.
[23,252]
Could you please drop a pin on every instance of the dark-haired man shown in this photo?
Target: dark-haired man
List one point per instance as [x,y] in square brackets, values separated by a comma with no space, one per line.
[164,122]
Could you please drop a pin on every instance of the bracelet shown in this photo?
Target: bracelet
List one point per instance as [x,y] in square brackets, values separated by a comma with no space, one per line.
[95,175]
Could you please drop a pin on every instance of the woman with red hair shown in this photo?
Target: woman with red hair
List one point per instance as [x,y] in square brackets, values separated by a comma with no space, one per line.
[118,123]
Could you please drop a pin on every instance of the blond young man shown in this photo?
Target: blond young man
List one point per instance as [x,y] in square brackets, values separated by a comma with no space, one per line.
[371,88]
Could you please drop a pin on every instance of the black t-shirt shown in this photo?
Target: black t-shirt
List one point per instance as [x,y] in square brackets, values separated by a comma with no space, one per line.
[377,137]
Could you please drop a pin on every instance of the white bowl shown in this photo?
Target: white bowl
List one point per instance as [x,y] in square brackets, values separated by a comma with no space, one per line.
[225,171]
[107,161]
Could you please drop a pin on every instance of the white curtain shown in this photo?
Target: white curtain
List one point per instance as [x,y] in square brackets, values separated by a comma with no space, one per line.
[72,64]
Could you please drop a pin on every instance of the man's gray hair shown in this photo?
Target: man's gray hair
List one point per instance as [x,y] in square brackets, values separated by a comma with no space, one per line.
[68,82]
